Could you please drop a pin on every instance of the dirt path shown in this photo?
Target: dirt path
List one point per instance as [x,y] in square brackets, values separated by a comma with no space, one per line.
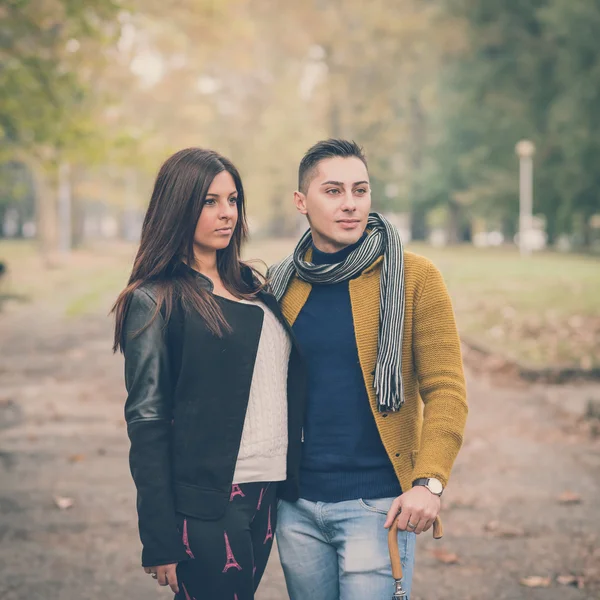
[62,434]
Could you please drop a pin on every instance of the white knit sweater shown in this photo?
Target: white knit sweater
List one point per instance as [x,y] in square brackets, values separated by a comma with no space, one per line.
[263,449]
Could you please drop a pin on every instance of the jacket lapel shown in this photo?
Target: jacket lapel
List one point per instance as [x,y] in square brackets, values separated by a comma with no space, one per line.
[296,295]
[294,299]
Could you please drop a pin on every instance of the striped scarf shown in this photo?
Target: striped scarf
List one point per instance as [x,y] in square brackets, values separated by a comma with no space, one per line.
[383,238]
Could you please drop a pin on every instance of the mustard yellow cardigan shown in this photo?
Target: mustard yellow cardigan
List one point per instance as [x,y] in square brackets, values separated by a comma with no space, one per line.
[423,438]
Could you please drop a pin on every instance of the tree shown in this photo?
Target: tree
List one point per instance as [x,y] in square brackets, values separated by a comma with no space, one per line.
[525,73]
[43,93]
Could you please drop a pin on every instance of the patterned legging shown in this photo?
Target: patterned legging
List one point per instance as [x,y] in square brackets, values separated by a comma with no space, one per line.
[229,556]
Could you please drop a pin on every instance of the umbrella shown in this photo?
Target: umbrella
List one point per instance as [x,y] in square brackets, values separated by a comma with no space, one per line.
[399,592]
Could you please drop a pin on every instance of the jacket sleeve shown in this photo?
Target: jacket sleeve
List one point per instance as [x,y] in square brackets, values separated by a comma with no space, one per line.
[148,412]
[438,363]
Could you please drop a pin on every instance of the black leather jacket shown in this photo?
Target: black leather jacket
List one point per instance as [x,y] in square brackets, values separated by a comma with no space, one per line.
[187,397]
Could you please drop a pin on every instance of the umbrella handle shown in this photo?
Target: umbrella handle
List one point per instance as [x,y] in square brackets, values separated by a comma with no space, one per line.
[438,532]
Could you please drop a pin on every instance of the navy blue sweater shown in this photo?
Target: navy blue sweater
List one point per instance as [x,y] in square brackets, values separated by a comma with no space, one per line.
[343,457]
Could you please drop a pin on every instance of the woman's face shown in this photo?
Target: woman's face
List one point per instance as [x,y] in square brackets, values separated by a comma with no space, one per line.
[219,215]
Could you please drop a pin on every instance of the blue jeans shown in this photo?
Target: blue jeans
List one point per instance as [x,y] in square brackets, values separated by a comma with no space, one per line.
[339,551]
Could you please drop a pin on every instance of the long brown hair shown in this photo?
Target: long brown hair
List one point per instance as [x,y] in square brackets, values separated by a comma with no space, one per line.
[167,240]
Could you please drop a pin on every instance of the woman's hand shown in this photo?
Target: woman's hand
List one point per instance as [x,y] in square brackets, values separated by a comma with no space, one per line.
[165,575]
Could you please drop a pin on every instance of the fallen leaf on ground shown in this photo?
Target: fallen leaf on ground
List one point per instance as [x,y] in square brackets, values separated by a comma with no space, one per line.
[504,531]
[76,458]
[569,497]
[63,502]
[458,503]
[444,556]
[571,580]
[535,581]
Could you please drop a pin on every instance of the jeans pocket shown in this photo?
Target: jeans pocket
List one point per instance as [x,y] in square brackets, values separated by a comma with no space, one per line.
[376,506]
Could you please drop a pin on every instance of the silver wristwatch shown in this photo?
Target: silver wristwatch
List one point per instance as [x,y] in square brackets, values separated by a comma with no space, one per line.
[433,485]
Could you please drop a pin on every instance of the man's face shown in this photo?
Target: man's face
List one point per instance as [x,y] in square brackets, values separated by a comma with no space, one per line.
[336,203]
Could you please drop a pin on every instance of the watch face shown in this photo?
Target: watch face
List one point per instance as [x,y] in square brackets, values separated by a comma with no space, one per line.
[435,486]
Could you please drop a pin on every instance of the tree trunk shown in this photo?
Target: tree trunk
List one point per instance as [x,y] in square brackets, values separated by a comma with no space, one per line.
[453,223]
[418,222]
[46,218]
[586,231]
[334,116]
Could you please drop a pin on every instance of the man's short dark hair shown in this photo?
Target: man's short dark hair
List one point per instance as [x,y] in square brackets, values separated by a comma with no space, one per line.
[330,148]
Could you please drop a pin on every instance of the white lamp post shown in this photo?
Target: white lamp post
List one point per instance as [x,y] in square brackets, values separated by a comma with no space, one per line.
[525,150]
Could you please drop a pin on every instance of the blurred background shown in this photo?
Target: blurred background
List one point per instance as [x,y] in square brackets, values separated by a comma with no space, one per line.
[481,124]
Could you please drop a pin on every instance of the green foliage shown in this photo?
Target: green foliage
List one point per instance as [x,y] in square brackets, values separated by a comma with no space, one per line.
[531,70]
[42,90]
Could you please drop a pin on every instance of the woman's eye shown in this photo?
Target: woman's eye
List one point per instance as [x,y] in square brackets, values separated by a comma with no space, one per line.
[361,191]
[333,191]
[233,200]
[209,201]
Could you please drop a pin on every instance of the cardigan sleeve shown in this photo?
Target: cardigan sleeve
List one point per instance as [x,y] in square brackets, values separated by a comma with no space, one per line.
[439,368]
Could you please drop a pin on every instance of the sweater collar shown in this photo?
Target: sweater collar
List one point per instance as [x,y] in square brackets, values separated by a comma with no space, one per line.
[331,258]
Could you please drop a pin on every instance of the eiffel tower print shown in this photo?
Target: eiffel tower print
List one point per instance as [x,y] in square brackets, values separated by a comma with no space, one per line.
[186,541]
[231,562]
[269,530]
[262,495]
[236,490]
[187,596]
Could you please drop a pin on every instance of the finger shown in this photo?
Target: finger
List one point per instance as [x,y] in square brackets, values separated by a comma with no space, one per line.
[420,526]
[413,521]
[428,525]
[147,570]
[392,513]
[403,519]
[172,579]
[162,576]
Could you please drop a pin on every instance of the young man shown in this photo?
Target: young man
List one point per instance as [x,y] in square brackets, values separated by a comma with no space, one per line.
[387,403]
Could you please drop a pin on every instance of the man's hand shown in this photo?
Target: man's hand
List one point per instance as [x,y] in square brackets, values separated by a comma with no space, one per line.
[418,509]
[165,575]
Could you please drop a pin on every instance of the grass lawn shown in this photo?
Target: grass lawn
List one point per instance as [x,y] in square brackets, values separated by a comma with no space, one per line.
[86,281]
[543,311]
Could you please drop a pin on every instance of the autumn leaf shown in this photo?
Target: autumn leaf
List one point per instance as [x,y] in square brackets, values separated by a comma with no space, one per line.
[444,556]
[569,497]
[63,502]
[534,581]
[75,458]
[502,530]
[571,580]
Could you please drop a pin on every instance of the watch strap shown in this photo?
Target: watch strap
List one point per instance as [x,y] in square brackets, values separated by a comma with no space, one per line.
[421,481]
[424,481]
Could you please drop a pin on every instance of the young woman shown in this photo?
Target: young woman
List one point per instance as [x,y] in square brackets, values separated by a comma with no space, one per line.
[215,387]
